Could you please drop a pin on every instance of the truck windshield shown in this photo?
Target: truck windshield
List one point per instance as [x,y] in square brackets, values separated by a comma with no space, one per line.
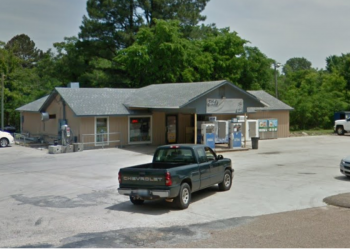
[178,155]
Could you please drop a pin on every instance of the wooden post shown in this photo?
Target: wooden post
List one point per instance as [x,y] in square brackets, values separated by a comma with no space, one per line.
[2,100]
[195,128]
[245,128]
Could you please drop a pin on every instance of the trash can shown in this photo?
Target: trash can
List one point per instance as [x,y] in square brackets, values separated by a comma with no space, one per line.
[255,142]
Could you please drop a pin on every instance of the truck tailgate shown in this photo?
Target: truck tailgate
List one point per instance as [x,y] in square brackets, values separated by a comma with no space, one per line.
[142,178]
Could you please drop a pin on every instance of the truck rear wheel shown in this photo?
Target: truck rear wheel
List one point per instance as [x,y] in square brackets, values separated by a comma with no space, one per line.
[136,201]
[227,181]
[340,130]
[183,200]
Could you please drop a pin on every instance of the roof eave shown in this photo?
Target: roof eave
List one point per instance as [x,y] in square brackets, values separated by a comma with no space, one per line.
[204,93]
[152,107]
[49,99]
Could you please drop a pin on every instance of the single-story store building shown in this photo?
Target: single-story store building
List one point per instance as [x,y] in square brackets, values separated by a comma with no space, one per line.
[156,114]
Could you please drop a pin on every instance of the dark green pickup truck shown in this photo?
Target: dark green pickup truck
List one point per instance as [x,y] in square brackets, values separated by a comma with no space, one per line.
[175,173]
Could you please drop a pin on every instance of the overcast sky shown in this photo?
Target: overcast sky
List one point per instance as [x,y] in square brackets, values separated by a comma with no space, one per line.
[281,29]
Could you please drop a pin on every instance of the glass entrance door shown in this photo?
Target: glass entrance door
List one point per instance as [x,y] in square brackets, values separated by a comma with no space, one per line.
[171,131]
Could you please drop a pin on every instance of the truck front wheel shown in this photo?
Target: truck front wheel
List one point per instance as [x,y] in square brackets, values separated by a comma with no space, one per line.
[136,201]
[227,181]
[340,130]
[183,200]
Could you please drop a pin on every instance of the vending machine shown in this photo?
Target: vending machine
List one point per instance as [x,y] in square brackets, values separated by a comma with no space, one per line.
[221,131]
[235,138]
[208,135]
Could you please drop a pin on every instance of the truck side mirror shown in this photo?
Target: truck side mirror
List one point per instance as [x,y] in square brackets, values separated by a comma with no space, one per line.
[220,157]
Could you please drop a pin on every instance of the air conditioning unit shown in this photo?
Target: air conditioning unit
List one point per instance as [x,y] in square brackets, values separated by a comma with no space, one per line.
[45,116]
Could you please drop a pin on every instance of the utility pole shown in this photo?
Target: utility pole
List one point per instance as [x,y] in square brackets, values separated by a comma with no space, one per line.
[2,101]
[276,65]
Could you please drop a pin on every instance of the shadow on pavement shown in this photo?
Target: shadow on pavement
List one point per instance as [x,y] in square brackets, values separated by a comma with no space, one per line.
[342,178]
[339,200]
[161,206]
[141,149]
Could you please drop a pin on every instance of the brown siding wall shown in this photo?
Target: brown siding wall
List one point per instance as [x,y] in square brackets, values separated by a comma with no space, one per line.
[87,128]
[119,125]
[184,122]
[55,108]
[73,123]
[32,123]
[158,128]
[225,117]
[281,116]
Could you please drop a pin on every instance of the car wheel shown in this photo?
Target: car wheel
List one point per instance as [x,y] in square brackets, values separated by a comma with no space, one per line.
[340,130]
[227,181]
[183,200]
[136,201]
[4,142]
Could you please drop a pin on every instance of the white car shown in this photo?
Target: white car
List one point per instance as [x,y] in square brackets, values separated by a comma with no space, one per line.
[6,139]
[345,166]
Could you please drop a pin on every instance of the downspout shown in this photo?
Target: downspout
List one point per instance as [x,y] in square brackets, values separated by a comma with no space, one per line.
[21,122]
[195,128]
[64,109]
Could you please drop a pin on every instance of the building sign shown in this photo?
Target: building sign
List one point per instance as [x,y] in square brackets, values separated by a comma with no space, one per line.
[224,106]
[273,124]
[263,125]
[269,125]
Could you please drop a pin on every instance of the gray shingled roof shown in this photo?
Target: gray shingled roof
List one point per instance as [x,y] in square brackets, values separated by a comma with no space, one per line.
[172,95]
[271,102]
[96,101]
[33,106]
[105,101]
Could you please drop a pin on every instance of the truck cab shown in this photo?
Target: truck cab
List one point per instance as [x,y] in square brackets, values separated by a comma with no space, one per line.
[342,126]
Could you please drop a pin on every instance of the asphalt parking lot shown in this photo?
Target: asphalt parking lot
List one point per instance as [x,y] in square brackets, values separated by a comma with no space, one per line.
[70,200]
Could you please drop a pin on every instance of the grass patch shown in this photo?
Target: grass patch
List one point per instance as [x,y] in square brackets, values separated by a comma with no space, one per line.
[312,132]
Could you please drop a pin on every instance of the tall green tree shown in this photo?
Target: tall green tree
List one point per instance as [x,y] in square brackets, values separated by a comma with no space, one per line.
[226,49]
[109,26]
[162,54]
[188,12]
[296,64]
[25,80]
[24,48]
[112,24]
[257,73]
[341,65]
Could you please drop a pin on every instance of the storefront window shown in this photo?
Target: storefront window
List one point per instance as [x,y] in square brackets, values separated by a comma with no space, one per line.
[101,131]
[140,129]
